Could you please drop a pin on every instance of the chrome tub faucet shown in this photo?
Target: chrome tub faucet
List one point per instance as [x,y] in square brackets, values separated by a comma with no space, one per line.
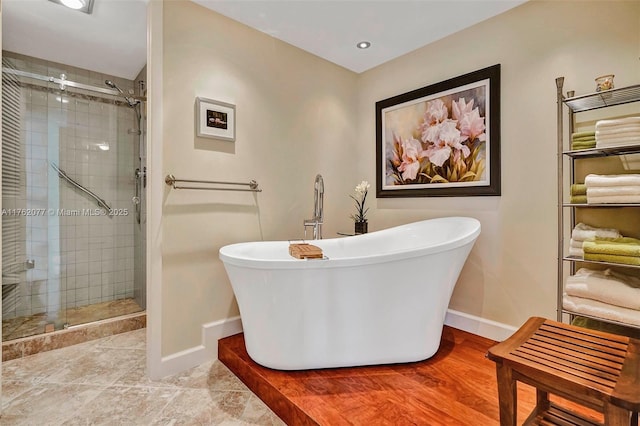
[318,212]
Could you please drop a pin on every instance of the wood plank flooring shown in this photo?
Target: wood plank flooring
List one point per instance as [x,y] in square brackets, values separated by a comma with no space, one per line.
[455,387]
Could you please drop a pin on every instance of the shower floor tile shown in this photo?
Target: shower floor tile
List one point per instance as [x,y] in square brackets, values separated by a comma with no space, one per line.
[16,328]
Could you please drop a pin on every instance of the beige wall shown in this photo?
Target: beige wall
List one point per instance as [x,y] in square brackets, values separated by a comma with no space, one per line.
[295,118]
[511,273]
[298,115]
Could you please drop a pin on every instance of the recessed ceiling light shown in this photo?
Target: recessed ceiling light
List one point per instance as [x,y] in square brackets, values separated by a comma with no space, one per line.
[73,4]
[363,45]
[85,6]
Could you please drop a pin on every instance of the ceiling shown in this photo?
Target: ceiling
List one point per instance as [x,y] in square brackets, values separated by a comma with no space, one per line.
[332,28]
[112,40]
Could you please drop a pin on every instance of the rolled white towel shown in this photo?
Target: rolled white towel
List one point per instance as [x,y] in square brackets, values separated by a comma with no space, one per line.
[613,190]
[594,308]
[613,199]
[605,286]
[583,232]
[576,252]
[575,243]
[600,124]
[630,179]
[575,248]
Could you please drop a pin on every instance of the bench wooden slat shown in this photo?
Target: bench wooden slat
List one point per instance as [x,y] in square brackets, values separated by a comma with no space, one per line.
[562,328]
[562,374]
[617,349]
[602,362]
[613,357]
[582,340]
[559,416]
[573,363]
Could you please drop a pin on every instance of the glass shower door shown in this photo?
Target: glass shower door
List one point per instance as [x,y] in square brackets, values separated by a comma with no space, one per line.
[70,233]
[32,293]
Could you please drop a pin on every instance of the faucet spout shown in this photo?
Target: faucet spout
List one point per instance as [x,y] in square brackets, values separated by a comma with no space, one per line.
[318,209]
[318,197]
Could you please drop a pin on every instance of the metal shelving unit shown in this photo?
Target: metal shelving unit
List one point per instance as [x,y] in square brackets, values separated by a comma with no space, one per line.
[574,105]
[607,98]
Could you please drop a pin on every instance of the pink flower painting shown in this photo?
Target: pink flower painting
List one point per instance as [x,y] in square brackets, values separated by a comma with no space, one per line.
[447,143]
[442,139]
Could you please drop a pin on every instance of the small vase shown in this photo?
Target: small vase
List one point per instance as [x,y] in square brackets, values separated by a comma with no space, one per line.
[604,82]
[361,227]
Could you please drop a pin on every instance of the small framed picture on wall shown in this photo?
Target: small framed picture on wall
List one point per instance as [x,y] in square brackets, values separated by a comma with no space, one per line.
[215,119]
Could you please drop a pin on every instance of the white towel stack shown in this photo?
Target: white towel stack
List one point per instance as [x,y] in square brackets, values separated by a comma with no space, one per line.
[612,189]
[605,294]
[583,232]
[618,132]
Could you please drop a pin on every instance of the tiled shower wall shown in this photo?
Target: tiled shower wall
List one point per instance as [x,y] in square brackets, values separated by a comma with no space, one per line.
[81,256]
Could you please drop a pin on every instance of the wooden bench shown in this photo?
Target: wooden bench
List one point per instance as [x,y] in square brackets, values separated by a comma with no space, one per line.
[597,370]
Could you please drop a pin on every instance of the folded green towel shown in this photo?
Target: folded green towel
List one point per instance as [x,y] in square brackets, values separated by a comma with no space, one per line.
[588,133]
[578,189]
[617,240]
[621,246]
[617,249]
[612,258]
[578,199]
[581,140]
[578,147]
[590,142]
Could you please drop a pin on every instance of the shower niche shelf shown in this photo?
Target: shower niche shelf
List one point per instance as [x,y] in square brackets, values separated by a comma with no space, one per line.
[570,168]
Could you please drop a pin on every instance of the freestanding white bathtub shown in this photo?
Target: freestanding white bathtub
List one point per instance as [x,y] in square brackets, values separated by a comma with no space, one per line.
[376,298]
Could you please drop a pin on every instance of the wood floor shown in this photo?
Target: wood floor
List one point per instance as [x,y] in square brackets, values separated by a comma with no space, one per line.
[455,387]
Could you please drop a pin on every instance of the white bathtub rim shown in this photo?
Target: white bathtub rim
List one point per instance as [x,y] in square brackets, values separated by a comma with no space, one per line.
[288,262]
[344,262]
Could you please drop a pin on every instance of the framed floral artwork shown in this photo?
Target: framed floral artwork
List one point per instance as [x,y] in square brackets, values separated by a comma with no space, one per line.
[442,139]
[215,119]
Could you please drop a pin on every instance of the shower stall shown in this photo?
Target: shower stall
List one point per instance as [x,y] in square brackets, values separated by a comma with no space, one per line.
[73,193]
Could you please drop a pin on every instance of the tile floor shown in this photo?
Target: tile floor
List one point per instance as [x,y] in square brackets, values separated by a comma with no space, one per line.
[103,382]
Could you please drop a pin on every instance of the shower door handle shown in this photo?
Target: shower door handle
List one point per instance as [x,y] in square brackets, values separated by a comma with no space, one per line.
[11,271]
[140,176]
[16,267]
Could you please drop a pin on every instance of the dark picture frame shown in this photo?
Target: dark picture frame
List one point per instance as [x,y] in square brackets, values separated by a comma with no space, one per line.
[442,140]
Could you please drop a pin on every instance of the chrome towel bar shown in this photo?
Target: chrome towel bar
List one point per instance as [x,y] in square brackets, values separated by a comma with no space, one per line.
[171,181]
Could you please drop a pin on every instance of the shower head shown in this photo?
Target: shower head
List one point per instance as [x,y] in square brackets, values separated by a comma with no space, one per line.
[113,85]
[131,101]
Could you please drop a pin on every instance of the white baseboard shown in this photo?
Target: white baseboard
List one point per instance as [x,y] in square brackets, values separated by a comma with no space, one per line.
[214,331]
[208,350]
[475,325]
